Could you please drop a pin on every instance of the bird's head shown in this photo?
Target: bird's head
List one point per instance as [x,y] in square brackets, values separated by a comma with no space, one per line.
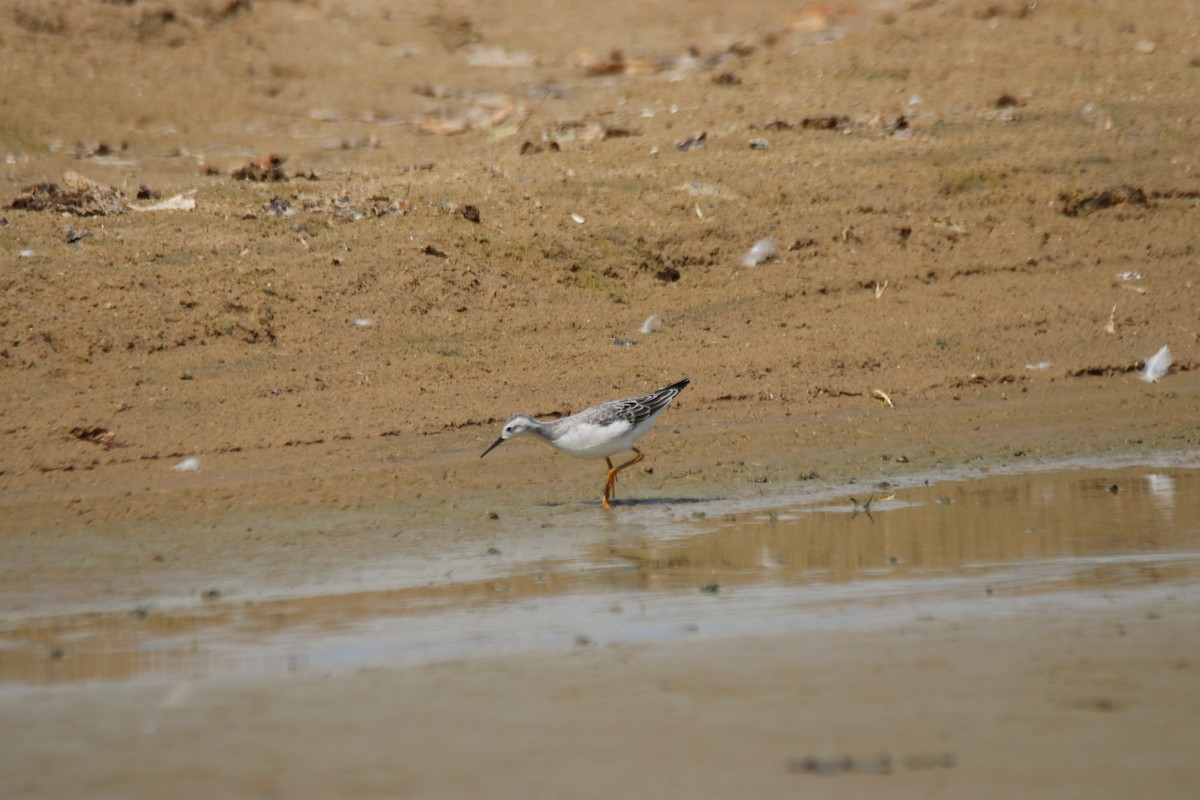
[516,425]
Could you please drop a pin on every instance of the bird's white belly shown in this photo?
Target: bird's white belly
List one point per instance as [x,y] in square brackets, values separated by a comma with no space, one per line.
[597,441]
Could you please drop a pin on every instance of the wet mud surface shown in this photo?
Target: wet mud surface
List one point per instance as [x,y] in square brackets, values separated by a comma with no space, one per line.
[839,561]
[274,273]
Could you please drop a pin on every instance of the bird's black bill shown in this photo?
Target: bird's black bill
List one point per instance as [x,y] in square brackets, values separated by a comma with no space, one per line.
[493,447]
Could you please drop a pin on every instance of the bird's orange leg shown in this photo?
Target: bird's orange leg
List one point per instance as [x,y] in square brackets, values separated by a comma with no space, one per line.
[610,483]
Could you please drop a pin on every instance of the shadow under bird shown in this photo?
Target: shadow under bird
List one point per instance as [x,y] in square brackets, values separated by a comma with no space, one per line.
[598,432]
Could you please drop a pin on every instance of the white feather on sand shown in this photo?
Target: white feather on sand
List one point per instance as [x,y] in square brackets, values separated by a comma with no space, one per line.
[763,250]
[1157,365]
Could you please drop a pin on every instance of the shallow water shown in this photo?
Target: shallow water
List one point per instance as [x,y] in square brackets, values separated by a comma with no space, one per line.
[864,559]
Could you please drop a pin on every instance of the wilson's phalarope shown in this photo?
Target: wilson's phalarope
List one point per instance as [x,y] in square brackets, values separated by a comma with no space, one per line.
[598,432]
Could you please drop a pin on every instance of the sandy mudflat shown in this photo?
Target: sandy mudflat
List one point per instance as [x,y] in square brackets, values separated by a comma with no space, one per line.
[983,212]
[1074,697]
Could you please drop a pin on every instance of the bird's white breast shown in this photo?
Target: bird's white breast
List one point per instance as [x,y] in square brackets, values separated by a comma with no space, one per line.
[587,440]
